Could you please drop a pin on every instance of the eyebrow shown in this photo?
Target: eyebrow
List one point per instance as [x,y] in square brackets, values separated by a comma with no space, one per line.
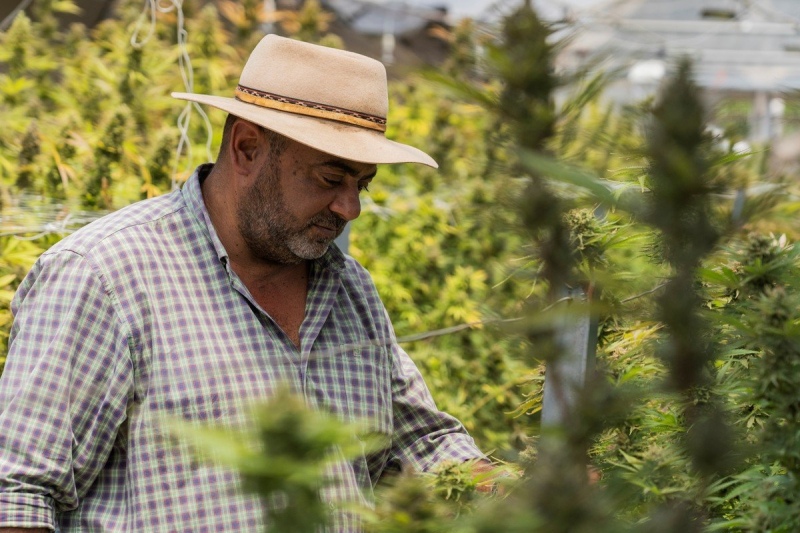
[350,170]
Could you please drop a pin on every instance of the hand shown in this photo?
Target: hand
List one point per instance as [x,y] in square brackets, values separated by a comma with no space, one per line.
[489,478]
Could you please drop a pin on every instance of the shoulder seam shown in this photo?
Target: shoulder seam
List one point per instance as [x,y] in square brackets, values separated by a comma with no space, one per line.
[93,245]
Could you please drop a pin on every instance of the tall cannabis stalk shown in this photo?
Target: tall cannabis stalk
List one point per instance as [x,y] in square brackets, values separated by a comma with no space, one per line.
[681,210]
[556,495]
[524,64]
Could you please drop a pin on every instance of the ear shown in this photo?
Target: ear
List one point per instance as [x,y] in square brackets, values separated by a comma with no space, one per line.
[247,147]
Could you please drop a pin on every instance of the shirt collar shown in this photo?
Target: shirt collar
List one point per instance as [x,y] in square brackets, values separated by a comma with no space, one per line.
[333,258]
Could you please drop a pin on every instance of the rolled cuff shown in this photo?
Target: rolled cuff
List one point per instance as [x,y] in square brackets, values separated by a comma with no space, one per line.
[26,511]
[456,447]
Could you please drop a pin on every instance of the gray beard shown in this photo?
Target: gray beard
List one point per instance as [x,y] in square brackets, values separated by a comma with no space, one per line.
[270,231]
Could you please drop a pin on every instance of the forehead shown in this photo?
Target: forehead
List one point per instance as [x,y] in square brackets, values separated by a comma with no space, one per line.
[300,155]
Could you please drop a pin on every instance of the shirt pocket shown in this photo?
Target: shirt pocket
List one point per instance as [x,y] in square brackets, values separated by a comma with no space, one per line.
[370,391]
[354,383]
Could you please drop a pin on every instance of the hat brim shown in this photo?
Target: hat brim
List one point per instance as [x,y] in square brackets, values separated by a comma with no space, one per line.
[341,140]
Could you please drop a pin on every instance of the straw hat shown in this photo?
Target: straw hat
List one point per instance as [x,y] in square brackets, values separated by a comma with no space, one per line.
[332,100]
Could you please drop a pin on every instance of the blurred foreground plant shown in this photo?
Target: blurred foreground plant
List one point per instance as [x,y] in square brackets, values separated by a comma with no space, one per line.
[286,459]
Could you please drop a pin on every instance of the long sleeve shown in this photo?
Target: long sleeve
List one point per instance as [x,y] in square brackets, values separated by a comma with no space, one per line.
[424,436]
[64,392]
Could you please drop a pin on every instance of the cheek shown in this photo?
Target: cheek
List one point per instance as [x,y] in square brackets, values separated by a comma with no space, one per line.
[305,202]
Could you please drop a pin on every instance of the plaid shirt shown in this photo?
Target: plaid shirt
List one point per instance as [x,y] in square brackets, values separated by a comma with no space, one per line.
[139,315]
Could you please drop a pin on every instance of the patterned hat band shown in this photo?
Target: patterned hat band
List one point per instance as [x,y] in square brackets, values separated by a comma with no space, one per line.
[312,109]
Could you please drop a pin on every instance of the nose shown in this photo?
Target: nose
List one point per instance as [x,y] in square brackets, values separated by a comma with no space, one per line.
[346,203]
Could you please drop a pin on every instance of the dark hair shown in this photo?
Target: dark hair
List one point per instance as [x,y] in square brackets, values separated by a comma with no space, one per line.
[277,142]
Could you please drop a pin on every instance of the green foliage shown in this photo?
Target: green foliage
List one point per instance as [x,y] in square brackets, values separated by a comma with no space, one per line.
[438,501]
[668,433]
[757,301]
[691,418]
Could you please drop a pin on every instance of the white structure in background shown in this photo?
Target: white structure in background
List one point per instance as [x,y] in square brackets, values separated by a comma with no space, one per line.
[645,77]
[387,41]
[741,48]
[387,19]
[269,10]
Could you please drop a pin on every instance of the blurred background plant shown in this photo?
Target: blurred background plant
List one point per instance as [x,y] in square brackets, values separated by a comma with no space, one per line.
[686,249]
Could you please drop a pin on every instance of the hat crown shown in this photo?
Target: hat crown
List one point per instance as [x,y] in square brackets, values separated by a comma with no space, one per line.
[317,74]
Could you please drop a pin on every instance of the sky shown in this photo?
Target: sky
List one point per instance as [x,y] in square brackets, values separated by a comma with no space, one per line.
[474,8]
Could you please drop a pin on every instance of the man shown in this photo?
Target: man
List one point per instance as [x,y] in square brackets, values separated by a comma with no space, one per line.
[198,303]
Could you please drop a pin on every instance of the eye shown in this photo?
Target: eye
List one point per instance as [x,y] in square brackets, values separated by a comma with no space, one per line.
[331,179]
[364,184]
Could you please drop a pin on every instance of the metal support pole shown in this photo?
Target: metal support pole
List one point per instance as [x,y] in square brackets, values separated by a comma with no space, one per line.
[387,40]
[343,240]
[269,10]
[564,377]
[760,118]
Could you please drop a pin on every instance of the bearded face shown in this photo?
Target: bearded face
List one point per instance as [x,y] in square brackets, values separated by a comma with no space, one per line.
[273,232]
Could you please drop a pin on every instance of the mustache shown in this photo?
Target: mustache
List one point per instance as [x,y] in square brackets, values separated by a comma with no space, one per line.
[328,220]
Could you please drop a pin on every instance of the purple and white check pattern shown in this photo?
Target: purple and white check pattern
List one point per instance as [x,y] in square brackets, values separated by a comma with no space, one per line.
[137,316]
